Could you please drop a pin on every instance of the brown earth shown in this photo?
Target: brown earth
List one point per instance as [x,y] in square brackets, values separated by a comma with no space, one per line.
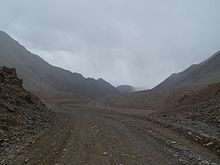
[95,136]
[86,134]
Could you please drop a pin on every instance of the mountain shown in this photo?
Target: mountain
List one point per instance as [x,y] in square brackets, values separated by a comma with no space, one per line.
[167,93]
[197,115]
[196,76]
[22,115]
[41,77]
[125,89]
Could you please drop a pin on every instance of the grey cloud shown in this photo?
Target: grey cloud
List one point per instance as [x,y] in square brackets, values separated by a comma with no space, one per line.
[137,42]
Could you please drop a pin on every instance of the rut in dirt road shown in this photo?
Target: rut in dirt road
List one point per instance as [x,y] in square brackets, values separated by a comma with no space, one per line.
[90,136]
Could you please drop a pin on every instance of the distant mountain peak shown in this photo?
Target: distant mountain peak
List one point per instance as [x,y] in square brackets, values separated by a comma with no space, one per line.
[125,88]
[101,80]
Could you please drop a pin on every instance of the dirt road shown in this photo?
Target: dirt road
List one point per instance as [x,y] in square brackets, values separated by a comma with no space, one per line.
[91,136]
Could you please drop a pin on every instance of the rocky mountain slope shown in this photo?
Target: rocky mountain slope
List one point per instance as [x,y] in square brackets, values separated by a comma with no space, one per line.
[41,77]
[196,76]
[22,115]
[165,94]
[197,115]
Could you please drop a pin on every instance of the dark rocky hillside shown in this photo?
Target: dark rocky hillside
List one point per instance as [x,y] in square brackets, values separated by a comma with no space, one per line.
[22,115]
[197,115]
[41,77]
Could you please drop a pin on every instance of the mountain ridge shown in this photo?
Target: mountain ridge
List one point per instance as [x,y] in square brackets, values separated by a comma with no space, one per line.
[40,76]
[195,76]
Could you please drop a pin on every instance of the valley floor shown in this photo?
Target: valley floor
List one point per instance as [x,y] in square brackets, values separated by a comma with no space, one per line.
[86,135]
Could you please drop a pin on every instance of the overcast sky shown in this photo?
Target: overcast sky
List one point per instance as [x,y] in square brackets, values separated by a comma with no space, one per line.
[136,42]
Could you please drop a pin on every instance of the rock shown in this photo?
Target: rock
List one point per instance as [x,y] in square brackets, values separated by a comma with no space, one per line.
[5,140]
[209,144]
[123,155]
[4,127]
[94,127]
[173,142]
[1,140]
[88,145]
[105,153]
[26,160]
[10,108]
[133,157]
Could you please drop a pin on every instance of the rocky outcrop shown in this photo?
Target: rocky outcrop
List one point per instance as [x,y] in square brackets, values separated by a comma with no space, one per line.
[22,115]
